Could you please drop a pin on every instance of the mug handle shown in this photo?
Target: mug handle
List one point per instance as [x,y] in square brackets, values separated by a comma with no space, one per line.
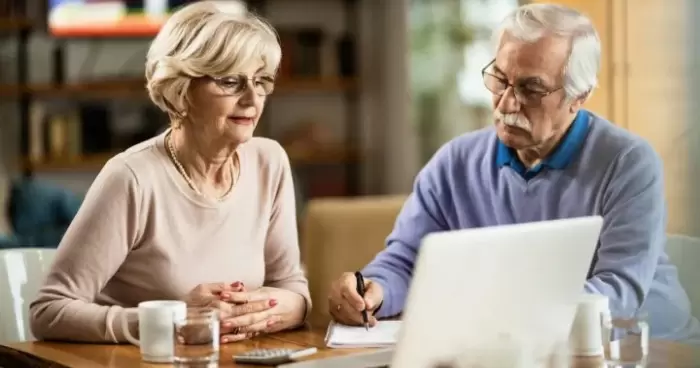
[127,333]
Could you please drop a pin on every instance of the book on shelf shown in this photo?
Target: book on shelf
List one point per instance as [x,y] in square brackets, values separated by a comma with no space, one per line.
[313,53]
[64,132]
[13,9]
[54,132]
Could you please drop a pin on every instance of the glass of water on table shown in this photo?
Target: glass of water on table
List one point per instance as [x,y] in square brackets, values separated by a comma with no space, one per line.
[626,343]
[197,337]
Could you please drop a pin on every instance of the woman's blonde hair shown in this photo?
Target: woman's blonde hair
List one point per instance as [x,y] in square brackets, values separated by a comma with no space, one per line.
[201,40]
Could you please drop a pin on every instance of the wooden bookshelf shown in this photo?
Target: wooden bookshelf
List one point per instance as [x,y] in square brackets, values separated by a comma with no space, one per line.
[25,93]
[330,84]
[102,89]
[74,163]
[14,24]
[137,88]
[328,156]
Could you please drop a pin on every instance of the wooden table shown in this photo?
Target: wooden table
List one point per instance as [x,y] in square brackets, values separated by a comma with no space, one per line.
[59,355]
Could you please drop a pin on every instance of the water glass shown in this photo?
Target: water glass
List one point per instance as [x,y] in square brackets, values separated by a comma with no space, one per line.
[627,342]
[197,337]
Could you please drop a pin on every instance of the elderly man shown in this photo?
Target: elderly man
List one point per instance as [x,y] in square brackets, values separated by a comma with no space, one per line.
[546,158]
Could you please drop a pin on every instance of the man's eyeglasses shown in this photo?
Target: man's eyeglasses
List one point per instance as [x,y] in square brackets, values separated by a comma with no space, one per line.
[527,93]
[237,84]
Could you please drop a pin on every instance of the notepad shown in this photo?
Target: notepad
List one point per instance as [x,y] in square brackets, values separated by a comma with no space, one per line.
[383,334]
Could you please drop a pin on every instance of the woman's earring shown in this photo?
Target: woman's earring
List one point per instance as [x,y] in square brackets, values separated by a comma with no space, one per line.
[178,122]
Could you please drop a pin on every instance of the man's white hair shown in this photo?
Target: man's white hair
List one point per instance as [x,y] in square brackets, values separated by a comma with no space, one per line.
[531,22]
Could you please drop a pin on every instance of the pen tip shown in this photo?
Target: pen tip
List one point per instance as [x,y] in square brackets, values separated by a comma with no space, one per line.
[367,327]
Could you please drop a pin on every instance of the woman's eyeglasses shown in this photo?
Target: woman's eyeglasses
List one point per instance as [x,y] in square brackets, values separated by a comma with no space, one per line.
[235,85]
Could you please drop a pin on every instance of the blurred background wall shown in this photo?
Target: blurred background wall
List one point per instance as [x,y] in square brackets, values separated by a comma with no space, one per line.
[648,85]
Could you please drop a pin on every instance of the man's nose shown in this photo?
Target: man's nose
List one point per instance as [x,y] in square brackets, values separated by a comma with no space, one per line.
[508,103]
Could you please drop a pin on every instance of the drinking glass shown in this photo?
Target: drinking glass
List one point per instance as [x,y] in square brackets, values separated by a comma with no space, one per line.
[197,337]
[627,342]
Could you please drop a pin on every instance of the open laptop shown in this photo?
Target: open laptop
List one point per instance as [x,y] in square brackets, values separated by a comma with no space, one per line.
[482,289]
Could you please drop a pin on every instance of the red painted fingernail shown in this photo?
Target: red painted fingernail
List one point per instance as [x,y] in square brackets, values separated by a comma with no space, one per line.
[236,284]
[273,302]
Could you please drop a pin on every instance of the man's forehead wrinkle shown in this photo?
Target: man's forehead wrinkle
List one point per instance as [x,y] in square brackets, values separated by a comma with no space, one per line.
[516,71]
[544,59]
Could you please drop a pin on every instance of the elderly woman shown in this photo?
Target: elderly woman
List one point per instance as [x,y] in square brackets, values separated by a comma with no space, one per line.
[203,213]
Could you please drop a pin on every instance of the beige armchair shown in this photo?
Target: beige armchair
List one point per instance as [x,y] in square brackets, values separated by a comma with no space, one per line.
[340,235]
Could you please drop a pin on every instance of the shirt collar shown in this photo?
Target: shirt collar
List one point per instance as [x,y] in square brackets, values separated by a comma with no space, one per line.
[562,155]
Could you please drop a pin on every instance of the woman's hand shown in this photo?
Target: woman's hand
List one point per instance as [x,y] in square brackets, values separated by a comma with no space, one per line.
[209,295]
[232,301]
[262,311]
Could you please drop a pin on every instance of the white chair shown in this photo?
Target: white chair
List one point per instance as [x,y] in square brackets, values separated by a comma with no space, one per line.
[22,272]
[684,252]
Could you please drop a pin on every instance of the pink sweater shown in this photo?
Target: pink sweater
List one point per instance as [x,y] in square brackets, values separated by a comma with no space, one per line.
[143,234]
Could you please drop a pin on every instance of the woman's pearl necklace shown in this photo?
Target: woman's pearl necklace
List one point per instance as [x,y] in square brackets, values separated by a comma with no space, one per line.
[189,180]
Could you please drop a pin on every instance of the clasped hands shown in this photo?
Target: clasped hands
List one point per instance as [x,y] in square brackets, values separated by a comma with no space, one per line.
[245,314]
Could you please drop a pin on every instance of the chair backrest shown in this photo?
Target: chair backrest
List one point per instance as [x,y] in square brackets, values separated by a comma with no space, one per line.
[22,272]
[343,235]
[684,252]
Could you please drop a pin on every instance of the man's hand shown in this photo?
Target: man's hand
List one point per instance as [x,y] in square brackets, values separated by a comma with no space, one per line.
[346,305]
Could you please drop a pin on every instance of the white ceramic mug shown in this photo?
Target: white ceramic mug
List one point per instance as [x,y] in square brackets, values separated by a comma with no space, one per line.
[156,329]
[591,328]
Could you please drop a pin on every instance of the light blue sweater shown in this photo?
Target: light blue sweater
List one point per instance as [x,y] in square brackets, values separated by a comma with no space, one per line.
[597,169]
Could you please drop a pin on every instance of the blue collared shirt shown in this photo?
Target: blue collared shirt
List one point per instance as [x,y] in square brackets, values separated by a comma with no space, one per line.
[558,160]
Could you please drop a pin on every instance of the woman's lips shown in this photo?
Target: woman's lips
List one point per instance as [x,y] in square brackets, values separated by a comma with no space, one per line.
[240,120]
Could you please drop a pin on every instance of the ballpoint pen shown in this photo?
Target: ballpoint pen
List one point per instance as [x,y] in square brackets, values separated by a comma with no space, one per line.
[361,291]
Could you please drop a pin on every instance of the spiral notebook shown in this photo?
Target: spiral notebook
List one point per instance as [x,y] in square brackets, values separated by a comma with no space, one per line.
[383,334]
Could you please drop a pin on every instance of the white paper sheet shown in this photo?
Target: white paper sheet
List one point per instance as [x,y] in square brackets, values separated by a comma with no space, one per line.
[383,334]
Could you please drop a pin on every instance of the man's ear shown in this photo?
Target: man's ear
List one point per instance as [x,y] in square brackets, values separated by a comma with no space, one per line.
[578,102]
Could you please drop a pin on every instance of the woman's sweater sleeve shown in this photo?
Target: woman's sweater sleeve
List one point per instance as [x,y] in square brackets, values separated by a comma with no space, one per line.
[282,257]
[91,251]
